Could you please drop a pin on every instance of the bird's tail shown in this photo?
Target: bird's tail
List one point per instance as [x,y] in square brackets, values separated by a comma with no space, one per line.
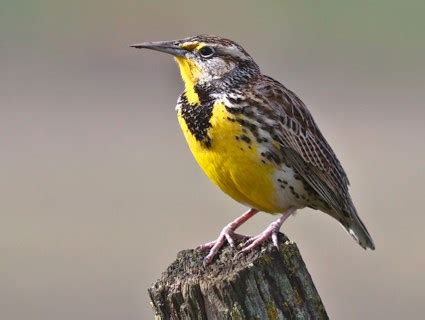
[357,229]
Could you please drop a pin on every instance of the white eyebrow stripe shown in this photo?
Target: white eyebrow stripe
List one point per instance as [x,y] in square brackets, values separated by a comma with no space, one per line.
[233,51]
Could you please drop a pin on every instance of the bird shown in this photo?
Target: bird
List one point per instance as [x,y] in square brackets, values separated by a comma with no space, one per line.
[256,140]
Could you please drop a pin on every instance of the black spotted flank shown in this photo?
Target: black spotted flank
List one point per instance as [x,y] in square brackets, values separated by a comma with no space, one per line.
[246,139]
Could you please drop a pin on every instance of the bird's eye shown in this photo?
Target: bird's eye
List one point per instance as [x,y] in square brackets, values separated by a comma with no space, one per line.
[206,52]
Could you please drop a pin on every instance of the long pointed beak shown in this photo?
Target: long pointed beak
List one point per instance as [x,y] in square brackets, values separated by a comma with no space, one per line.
[163,46]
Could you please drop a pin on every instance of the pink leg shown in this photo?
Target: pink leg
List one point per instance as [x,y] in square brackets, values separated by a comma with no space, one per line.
[271,231]
[228,233]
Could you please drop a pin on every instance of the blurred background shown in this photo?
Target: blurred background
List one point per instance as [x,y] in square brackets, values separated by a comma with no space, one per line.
[99,190]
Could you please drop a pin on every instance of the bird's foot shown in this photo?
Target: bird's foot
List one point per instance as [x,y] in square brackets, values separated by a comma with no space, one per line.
[271,231]
[227,234]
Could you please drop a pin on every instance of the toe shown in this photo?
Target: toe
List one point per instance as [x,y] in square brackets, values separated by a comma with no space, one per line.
[252,245]
[275,240]
[249,241]
[209,258]
[207,245]
[214,250]
[230,240]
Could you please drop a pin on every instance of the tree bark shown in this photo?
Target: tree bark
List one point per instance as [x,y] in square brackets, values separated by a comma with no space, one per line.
[267,283]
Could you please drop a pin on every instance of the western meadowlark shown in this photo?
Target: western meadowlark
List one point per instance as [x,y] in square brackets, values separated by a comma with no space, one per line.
[256,140]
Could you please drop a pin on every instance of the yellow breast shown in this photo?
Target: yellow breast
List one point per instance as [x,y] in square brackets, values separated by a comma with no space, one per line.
[232,162]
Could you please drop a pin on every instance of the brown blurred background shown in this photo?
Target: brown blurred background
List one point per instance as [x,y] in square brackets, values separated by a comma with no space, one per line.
[99,191]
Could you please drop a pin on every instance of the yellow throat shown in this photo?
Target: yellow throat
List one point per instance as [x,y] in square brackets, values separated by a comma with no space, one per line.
[189,72]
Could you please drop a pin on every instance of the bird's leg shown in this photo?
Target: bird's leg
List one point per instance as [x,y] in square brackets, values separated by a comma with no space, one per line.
[228,233]
[271,232]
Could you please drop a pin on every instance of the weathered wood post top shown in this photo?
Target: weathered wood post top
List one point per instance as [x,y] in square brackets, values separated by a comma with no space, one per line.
[267,283]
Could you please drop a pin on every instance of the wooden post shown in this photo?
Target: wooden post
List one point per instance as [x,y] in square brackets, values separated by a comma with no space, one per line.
[266,283]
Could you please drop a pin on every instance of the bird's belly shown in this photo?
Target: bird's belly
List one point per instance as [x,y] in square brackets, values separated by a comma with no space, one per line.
[232,161]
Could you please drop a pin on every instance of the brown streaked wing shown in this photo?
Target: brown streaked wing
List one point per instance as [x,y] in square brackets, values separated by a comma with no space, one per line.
[304,145]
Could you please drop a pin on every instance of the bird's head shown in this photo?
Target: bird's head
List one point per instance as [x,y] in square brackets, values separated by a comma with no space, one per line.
[207,61]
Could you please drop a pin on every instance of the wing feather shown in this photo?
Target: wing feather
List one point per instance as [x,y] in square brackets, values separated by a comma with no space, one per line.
[304,146]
